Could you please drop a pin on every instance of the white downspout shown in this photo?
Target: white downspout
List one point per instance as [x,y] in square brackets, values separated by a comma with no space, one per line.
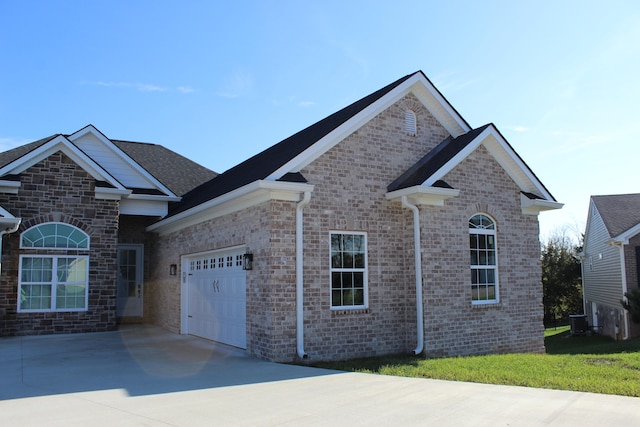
[300,276]
[12,225]
[418,267]
[625,289]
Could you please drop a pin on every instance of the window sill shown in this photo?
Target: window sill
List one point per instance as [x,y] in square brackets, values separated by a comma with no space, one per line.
[348,311]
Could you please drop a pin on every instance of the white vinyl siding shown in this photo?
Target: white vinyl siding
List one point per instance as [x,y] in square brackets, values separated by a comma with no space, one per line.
[602,267]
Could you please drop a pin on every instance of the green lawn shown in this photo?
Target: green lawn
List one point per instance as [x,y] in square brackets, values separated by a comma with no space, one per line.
[590,363]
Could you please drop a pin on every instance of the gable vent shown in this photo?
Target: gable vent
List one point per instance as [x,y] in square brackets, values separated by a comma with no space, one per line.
[410,126]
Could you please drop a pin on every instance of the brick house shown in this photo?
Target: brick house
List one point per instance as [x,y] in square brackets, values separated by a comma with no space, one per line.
[611,263]
[390,226]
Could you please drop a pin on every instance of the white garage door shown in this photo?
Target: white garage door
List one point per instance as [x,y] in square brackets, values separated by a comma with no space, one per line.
[216,297]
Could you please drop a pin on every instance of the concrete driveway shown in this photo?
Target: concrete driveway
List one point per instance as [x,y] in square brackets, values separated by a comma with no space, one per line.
[145,376]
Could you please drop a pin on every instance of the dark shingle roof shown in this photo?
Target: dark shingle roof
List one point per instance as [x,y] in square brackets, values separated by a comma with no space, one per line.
[176,172]
[434,160]
[619,212]
[9,156]
[263,164]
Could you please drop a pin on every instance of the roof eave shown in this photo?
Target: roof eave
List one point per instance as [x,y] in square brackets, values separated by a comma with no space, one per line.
[421,195]
[244,197]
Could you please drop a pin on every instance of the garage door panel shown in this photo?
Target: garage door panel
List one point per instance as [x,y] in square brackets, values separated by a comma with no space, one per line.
[216,298]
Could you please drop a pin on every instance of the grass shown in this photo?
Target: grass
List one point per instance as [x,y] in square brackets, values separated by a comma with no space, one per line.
[591,363]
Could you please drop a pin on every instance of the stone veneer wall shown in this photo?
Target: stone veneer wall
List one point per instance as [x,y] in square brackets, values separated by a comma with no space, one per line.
[57,189]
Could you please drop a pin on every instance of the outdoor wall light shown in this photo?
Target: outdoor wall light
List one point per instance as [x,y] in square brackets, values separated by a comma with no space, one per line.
[247,261]
[173,270]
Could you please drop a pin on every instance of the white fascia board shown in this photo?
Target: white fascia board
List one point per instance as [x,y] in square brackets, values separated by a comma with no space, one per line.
[535,206]
[439,107]
[420,195]
[8,222]
[9,187]
[124,156]
[417,84]
[504,155]
[153,197]
[60,143]
[241,198]
[155,208]
[105,193]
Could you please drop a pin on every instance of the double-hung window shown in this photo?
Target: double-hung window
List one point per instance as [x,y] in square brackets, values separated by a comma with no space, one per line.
[54,276]
[484,260]
[348,270]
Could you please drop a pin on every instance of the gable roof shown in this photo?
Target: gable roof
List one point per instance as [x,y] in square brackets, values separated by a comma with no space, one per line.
[432,168]
[155,161]
[167,166]
[434,160]
[620,214]
[293,153]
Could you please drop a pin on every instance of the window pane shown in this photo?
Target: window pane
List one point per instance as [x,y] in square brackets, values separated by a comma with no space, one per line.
[336,298]
[336,281]
[347,260]
[358,297]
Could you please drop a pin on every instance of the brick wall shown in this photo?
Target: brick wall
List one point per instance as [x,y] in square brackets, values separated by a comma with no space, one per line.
[453,326]
[350,181]
[56,189]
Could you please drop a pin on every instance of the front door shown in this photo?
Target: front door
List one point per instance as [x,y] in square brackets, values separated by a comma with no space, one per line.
[130,287]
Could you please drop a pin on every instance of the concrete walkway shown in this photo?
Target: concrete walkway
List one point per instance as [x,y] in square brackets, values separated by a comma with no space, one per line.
[144,376]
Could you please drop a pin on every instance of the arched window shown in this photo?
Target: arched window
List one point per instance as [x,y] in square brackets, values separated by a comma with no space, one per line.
[410,123]
[484,259]
[54,235]
[53,282]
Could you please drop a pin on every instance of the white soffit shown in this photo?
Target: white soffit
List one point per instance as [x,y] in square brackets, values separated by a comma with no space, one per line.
[420,195]
[241,198]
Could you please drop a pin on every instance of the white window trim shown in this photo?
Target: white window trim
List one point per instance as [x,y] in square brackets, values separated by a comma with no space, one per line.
[493,232]
[53,283]
[364,270]
[55,248]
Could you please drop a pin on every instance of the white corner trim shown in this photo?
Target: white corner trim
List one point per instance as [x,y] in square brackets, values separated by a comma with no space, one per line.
[241,198]
[9,187]
[105,193]
[535,206]
[420,195]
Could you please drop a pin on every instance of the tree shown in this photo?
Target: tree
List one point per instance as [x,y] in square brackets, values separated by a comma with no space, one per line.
[632,304]
[561,279]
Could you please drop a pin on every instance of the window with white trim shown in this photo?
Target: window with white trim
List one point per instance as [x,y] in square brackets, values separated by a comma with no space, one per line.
[49,281]
[348,270]
[484,259]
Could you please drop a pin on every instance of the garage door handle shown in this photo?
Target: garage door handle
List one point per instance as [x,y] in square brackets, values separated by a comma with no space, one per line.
[189,316]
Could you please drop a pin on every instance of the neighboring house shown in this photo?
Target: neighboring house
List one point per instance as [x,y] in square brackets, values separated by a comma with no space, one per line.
[390,226]
[611,262]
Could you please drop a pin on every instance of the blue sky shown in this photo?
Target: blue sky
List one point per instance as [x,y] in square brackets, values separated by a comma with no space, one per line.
[220,81]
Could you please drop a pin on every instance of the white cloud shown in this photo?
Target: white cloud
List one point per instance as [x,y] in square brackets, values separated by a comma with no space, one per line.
[518,128]
[142,87]
[239,84]
[305,104]
[185,89]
